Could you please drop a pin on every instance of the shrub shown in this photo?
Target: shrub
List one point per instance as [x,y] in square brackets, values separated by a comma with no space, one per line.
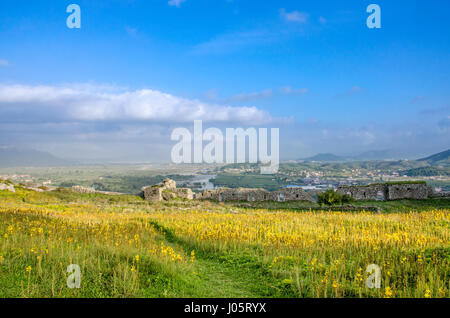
[347,199]
[331,197]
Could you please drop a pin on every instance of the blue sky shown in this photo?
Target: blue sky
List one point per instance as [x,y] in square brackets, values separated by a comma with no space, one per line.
[312,68]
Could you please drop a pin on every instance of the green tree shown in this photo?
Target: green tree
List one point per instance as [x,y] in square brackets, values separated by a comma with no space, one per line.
[331,197]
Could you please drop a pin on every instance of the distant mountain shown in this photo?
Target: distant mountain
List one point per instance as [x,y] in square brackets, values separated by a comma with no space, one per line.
[326,157]
[390,154]
[442,158]
[379,155]
[17,157]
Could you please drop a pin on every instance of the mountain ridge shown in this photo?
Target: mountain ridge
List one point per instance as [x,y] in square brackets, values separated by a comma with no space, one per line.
[438,158]
[434,159]
[20,157]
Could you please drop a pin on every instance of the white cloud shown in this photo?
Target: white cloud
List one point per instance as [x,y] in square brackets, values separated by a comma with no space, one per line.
[231,42]
[294,16]
[104,103]
[250,96]
[290,90]
[4,62]
[176,3]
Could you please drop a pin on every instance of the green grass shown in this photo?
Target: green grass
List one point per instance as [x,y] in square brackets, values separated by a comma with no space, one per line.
[106,273]
[384,206]
[267,182]
[84,228]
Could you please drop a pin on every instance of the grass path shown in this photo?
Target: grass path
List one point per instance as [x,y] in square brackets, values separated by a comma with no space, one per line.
[218,276]
[218,280]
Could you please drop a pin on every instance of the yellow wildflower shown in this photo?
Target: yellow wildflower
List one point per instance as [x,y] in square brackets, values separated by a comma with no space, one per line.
[388,292]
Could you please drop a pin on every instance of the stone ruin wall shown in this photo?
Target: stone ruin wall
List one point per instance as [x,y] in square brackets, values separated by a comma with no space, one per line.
[240,194]
[83,190]
[376,192]
[291,194]
[184,193]
[167,190]
[254,195]
[445,194]
[152,193]
[409,191]
[87,190]
[385,192]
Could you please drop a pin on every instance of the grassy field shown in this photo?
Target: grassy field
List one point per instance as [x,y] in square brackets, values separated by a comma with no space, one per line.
[127,247]
[268,182]
[383,206]
[114,178]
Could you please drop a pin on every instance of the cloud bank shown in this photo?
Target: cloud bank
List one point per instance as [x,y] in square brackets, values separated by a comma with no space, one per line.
[89,103]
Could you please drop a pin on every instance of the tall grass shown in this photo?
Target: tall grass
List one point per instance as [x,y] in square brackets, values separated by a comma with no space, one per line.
[126,247]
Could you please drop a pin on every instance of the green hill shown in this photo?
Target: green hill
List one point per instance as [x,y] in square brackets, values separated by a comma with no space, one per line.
[442,158]
[426,172]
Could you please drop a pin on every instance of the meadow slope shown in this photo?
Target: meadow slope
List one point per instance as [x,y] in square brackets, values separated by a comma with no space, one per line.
[127,247]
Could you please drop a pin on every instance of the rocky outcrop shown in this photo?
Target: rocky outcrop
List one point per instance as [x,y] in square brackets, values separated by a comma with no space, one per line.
[169,184]
[84,190]
[166,191]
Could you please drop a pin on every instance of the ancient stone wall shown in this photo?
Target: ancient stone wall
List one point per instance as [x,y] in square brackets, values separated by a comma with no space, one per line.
[153,193]
[384,192]
[374,192]
[240,194]
[291,194]
[167,191]
[80,189]
[77,189]
[169,184]
[379,192]
[408,191]
[184,193]
[445,194]
[254,195]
